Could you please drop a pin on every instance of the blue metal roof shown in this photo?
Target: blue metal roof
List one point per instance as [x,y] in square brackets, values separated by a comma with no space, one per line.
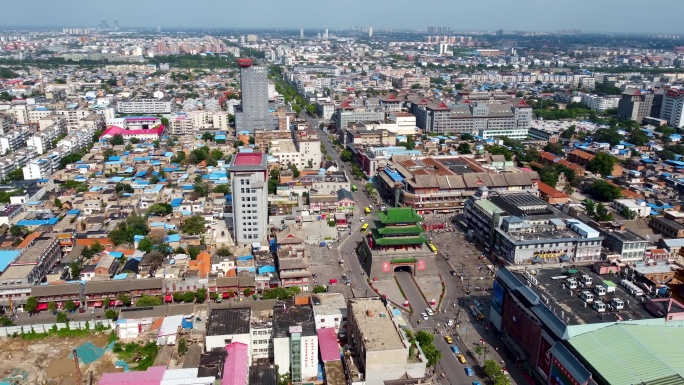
[7,257]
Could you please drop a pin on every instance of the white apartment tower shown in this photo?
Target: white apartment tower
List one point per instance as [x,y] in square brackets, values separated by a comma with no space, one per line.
[672,108]
[249,183]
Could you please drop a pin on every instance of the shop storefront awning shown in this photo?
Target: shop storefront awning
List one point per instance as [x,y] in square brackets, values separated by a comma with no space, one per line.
[97,304]
[42,306]
[168,298]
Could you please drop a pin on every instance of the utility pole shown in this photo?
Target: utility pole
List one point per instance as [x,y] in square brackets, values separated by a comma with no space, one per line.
[79,379]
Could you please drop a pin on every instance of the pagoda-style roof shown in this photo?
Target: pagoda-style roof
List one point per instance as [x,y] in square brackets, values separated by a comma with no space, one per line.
[398,215]
[399,241]
[398,230]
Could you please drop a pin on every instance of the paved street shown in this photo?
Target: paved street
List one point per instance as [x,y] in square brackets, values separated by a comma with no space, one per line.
[456,254]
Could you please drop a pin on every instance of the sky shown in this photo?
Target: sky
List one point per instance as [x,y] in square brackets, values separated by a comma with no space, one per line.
[623,16]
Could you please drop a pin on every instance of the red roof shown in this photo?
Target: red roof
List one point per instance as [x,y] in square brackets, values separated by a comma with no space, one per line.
[113,130]
[328,345]
[248,159]
[237,364]
[550,191]
[523,104]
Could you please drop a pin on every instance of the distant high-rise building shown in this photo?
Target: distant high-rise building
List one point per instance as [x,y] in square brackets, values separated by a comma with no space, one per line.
[672,108]
[499,32]
[254,93]
[116,25]
[438,30]
[301,33]
[325,34]
[158,28]
[634,105]
[370,32]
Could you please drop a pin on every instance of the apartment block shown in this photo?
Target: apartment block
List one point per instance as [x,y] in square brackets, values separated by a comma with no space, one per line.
[249,182]
[144,106]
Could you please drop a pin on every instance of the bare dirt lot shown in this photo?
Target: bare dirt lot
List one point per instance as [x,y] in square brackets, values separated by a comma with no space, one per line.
[48,361]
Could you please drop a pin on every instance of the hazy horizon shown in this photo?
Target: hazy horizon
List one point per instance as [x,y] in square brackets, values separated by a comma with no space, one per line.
[604,16]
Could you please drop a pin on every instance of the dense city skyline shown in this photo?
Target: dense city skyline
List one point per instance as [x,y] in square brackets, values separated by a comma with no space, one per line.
[627,16]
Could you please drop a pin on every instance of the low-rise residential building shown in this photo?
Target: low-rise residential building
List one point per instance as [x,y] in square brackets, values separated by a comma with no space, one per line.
[295,342]
[330,310]
[639,209]
[380,347]
[226,326]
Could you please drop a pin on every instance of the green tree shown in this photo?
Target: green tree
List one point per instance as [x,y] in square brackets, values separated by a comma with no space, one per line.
[247,292]
[62,317]
[568,132]
[6,321]
[346,156]
[602,213]
[602,163]
[295,170]
[608,135]
[117,140]
[320,289]
[208,136]
[604,191]
[31,305]
[164,122]
[222,189]
[124,298]
[126,231]
[463,148]
[75,269]
[188,297]
[182,346]
[123,187]
[70,305]
[134,140]
[52,306]
[554,148]
[201,295]
[628,214]
[58,203]
[590,206]
[147,300]
[194,225]
[549,175]
[638,137]
[145,245]
[111,314]
[410,143]
[18,231]
[467,136]
[224,252]
[491,368]
[415,86]
[17,174]
[160,209]
[193,252]
[216,154]
[501,379]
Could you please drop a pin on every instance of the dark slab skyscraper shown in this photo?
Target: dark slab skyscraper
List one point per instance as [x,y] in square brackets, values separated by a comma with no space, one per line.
[254,84]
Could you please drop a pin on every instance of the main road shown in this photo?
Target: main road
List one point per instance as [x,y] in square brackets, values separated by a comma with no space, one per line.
[454,371]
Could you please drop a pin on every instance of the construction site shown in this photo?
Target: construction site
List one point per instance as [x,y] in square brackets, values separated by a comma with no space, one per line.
[50,357]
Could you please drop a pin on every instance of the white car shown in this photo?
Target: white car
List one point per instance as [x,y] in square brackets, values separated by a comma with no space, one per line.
[362,220]
[450,322]
[429,312]
[425,316]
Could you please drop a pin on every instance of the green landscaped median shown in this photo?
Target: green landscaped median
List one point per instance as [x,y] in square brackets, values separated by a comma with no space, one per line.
[404,260]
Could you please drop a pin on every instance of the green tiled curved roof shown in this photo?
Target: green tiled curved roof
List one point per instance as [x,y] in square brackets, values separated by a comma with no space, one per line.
[399,241]
[395,215]
[393,230]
